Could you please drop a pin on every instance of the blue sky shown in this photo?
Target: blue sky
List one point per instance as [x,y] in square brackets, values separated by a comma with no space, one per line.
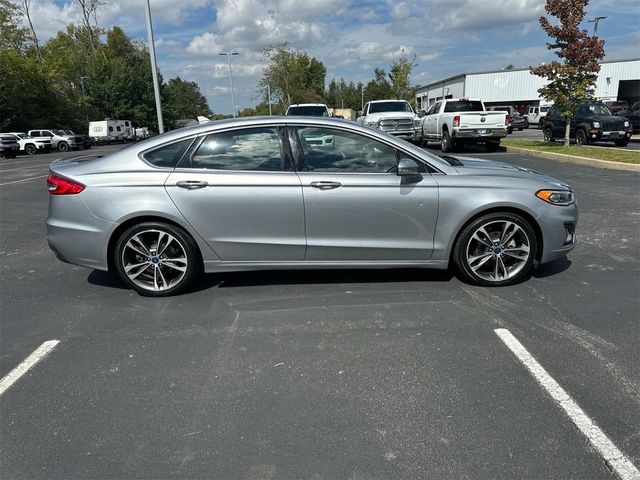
[351,37]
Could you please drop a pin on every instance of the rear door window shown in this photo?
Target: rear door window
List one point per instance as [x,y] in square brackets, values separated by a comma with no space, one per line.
[249,149]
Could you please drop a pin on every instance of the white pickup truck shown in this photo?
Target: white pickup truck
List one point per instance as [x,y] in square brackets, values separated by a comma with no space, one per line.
[461,121]
[392,116]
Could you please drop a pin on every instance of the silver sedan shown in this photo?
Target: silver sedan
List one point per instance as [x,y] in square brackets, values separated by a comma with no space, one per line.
[267,193]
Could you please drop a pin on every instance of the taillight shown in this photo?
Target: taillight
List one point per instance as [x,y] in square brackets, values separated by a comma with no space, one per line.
[456,121]
[507,119]
[63,186]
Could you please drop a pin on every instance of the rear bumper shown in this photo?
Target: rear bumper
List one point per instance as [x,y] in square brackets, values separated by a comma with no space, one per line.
[473,133]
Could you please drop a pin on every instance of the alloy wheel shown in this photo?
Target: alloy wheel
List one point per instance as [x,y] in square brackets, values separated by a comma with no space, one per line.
[154,260]
[498,250]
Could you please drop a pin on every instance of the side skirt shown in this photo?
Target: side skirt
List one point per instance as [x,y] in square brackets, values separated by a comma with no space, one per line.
[210,267]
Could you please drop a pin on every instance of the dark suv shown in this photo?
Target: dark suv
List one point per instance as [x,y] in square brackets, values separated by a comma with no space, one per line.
[593,122]
[633,115]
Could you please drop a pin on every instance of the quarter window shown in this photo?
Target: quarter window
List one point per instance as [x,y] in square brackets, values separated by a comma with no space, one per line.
[328,150]
[251,149]
[168,156]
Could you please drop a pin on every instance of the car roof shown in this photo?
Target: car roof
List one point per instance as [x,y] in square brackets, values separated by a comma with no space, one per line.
[308,105]
[389,100]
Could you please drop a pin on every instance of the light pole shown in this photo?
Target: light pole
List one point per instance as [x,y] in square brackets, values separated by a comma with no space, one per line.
[233,99]
[154,68]
[269,95]
[595,22]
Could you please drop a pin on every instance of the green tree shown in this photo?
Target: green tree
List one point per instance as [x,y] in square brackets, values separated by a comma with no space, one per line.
[400,76]
[572,79]
[293,77]
[184,99]
[12,35]
[379,88]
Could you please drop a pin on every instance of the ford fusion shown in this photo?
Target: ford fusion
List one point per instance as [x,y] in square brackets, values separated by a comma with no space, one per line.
[262,193]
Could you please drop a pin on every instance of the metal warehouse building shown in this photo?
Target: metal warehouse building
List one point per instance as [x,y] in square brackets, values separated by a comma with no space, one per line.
[617,80]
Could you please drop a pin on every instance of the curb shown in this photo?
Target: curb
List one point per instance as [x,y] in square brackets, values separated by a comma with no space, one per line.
[591,162]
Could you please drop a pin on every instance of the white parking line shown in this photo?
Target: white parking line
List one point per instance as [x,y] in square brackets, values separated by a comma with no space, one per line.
[619,464]
[30,167]
[23,180]
[38,354]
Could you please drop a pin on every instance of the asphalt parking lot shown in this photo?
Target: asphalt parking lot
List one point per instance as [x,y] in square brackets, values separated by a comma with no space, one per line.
[320,374]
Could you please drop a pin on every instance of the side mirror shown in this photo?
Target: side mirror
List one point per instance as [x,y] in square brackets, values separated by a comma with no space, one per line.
[409,170]
[421,113]
[359,114]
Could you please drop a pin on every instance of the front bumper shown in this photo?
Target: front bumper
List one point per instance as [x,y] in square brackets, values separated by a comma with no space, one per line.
[599,134]
[558,225]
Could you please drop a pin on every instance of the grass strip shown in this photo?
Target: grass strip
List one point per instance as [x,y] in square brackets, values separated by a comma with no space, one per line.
[598,153]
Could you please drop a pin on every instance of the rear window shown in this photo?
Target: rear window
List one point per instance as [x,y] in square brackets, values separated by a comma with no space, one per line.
[308,111]
[168,156]
[462,106]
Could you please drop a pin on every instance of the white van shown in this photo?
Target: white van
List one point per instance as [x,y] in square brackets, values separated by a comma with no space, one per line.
[111,131]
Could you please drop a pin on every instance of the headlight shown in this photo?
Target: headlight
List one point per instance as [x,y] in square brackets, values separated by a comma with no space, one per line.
[416,122]
[595,124]
[557,197]
[626,123]
[372,124]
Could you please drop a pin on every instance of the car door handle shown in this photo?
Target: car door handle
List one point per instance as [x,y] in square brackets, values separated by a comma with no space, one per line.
[325,185]
[191,184]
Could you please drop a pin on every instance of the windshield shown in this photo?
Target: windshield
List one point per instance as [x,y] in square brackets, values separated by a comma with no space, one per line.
[390,107]
[594,109]
[308,111]
[58,132]
[463,106]
[22,135]
[544,109]
[68,132]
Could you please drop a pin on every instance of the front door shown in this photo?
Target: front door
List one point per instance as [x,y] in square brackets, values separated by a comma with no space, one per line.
[357,208]
[239,192]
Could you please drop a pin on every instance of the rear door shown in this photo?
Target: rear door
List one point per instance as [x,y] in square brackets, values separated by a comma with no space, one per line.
[239,191]
[356,206]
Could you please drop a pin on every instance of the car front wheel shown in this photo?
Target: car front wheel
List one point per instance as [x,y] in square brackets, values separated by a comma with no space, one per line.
[63,146]
[156,259]
[30,149]
[548,135]
[581,137]
[497,249]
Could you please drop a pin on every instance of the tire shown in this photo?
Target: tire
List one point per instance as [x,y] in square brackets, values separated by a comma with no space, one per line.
[63,146]
[509,130]
[526,123]
[492,146]
[30,149]
[157,275]
[445,143]
[548,135]
[520,129]
[581,137]
[623,142]
[492,264]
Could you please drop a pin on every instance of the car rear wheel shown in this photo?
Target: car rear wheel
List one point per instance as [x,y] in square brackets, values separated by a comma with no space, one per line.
[156,259]
[495,250]
[581,137]
[30,149]
[63,146]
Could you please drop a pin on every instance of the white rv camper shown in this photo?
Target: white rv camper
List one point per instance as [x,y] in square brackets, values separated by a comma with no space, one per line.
[111,131]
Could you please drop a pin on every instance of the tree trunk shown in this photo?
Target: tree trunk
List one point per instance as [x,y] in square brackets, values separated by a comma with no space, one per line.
[567,135]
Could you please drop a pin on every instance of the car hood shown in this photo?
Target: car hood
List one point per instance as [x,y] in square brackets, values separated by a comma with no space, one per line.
[602,118]
[478,166]
[374,117]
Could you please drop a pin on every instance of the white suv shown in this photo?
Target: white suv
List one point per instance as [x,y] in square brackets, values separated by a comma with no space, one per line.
[308,110]
[59,139]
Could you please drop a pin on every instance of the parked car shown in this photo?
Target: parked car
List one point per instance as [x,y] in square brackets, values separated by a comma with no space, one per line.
[59,139]
[633,115]
[86,140]
[396,117]
[308,109]
[592,122]
[618,105]
[375,201]
[31,145]
[462,121]
[515,120]
[9,146]
[535,115]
